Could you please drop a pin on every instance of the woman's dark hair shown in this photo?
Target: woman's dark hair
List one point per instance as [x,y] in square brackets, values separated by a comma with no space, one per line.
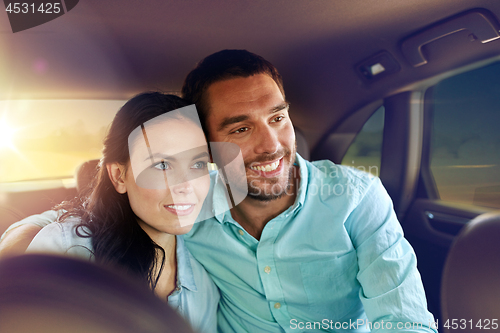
[105,214]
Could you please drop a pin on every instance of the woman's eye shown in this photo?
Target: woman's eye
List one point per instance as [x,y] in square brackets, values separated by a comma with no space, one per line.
[241,130]
[162,166]
[199,165]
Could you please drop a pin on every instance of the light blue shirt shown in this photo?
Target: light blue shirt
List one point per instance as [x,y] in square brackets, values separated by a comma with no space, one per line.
[195,298]
[336,260]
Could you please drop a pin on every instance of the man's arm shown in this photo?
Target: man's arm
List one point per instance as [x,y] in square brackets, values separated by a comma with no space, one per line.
[392,291]
[19,235]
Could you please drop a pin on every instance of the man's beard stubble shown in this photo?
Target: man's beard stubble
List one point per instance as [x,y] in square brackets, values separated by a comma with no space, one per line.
[277,190]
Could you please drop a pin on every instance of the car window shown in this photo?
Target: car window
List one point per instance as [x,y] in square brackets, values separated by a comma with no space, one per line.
[366,150]
[465,137]
[48,139]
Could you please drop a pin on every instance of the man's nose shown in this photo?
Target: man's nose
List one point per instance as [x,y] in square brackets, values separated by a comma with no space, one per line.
[267,141]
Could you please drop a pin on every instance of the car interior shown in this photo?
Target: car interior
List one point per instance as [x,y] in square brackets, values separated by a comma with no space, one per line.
[406,90]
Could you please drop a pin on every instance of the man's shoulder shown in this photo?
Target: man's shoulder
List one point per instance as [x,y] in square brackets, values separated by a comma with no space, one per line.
[327,172]
[329,168]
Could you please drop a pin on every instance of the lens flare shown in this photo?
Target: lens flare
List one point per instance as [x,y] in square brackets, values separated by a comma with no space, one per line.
[7,133]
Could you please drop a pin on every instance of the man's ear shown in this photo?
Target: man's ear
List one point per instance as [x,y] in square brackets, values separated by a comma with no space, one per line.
[116,174]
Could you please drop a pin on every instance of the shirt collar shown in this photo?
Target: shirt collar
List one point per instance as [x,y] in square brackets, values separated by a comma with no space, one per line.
[185,276]
[220,202]
[304,181]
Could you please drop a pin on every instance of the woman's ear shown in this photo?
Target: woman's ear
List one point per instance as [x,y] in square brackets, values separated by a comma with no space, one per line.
[116,174]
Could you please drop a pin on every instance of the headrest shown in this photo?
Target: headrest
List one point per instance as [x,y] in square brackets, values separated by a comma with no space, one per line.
[46,293]
[84,174]
[470,287]
[302,146]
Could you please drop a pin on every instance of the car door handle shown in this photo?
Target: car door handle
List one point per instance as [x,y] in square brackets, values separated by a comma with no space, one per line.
[480,23]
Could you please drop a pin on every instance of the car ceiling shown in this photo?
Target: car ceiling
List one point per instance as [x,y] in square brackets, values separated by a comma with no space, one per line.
[113,49]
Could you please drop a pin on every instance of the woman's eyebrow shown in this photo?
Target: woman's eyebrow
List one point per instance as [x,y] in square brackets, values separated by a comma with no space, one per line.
[161,156]
[174,157]
[200,155]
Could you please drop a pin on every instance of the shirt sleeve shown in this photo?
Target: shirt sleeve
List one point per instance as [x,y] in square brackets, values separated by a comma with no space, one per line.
[209,322]
[61,238]
[40,220]
[202,312]
[391,288]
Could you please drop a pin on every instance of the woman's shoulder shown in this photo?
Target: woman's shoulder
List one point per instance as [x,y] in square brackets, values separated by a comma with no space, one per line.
[201,295]
[67,237]
[188,265]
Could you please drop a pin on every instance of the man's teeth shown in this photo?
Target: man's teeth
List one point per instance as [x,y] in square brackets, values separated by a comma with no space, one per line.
[179,207]
[266,168]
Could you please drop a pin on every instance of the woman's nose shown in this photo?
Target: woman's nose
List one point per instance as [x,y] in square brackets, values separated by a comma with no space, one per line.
[182,188]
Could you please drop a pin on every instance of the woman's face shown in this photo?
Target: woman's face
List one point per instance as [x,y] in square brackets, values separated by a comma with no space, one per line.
[167,178]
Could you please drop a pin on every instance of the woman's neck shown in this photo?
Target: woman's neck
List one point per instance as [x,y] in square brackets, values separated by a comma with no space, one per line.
[167,281]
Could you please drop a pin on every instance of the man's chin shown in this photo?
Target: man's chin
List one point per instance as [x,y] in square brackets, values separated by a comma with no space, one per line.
[265,198]
[269,191]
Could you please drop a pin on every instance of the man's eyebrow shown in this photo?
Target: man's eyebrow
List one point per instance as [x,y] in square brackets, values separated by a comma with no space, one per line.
[234,120]
[231,120]
[280,107]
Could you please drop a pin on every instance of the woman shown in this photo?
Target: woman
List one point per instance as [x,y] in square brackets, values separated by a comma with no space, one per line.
[150,187]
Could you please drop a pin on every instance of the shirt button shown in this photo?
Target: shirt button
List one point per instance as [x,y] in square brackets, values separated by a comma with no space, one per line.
[267,269]
[241,232]
[277,305]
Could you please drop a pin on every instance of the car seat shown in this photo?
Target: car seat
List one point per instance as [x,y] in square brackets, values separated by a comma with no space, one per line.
[85,173]
[46,293]
[470,287]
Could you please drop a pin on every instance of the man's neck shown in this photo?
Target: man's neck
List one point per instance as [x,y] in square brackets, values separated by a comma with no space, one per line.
[253,214]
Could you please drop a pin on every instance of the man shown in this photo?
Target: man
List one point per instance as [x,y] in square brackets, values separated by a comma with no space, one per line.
[315,246]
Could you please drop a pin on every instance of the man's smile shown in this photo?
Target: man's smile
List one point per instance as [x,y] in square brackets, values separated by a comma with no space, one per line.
[269,169]
[266,167]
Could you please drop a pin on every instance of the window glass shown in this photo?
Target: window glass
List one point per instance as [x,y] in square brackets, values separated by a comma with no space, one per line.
[465,143]
[366,150]
[48,139]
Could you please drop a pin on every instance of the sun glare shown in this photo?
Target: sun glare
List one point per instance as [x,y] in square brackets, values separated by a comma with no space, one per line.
[6,135]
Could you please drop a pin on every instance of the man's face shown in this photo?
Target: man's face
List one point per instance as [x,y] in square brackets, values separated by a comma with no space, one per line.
[252,113]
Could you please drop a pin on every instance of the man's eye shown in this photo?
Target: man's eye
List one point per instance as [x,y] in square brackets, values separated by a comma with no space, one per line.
[162,166]
[278,119]
[241,130]
[199,165]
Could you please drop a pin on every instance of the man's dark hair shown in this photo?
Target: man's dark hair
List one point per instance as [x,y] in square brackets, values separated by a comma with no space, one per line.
[220,66]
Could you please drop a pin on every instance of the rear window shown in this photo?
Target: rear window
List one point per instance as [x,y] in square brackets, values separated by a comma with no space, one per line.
[48,139]
[465,145]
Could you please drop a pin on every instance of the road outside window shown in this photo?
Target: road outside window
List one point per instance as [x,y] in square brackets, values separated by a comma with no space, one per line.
[465,143]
